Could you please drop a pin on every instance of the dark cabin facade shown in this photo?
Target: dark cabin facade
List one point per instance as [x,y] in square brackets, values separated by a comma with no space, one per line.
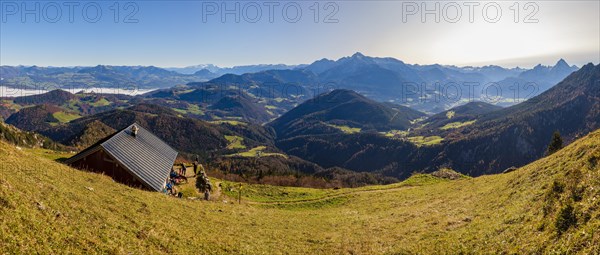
[132,156]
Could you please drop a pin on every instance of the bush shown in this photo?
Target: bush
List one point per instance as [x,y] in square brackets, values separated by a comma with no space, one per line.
[557,187]
[552,196]
[566,219]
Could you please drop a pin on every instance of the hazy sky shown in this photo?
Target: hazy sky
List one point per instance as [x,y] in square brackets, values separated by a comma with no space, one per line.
[183,33]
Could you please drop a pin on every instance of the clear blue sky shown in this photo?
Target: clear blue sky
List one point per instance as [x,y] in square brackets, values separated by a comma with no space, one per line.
[173,33]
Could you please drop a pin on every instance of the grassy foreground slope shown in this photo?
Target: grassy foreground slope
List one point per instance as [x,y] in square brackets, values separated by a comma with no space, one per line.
[549,206]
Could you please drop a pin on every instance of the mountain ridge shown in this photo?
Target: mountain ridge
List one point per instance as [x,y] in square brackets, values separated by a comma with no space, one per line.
[571,107]
[342,107]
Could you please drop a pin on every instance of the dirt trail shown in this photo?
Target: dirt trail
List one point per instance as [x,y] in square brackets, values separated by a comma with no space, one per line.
[216,191]
[215,194]
[332,196]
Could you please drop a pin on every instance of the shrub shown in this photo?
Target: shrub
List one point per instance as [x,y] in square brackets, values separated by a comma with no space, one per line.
[566,219]
[557,187]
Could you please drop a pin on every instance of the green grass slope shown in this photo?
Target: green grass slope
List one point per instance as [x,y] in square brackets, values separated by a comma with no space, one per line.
[549,206]
[13,135]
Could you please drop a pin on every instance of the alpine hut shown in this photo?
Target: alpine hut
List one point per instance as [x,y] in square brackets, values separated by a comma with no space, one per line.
[133,156]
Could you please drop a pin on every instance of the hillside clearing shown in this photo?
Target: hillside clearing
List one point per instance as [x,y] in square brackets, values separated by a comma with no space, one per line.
[230,122]
[235,142]
[425,140]
[257,152]
[455,125]
[395,133]
[101,102]
[64,117]
[345,129]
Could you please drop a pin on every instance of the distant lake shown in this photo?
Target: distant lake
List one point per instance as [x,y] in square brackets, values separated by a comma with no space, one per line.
[17,92]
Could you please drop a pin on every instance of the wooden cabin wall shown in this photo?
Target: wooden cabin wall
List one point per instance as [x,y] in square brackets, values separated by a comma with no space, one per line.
[100,162]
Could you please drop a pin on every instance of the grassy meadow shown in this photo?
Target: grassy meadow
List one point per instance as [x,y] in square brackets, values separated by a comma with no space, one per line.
[550,206]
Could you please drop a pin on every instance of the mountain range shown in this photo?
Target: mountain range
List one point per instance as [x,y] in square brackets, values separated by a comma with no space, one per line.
[572,107]
[101,76]
[428,88]
[218,71]
[475,138]
[274,113]
[535,81]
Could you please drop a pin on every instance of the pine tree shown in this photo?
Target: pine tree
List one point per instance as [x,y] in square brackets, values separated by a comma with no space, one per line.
[555,144]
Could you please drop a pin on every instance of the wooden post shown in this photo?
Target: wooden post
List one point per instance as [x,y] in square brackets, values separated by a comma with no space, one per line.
[240,194]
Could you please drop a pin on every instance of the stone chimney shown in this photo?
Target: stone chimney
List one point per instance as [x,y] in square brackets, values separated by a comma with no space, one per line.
[134,130]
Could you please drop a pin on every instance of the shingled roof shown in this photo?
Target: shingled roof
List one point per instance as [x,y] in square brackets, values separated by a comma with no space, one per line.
[144,155]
